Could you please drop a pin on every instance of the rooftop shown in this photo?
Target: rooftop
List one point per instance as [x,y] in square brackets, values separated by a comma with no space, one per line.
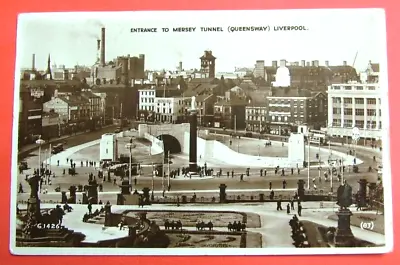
[290,92]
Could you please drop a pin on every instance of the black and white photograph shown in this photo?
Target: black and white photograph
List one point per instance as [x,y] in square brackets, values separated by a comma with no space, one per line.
[201,133]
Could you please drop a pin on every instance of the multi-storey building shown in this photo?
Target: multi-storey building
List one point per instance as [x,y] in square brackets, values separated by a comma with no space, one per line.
[170,110]
[355,105]
[290,107]
[30,114]
[230,113]
[147,99]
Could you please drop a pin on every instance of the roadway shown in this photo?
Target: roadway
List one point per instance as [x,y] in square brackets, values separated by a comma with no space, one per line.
[254,181]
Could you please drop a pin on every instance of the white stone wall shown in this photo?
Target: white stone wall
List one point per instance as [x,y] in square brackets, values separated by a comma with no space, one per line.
[296,148]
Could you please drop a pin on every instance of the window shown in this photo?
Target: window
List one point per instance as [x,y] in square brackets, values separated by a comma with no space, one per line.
[286,118]
[371,101]
[336,122]
[359,100]
[336,110]
[348,101]
[279,118]
[273,118]
[359,124]
[371,112]
[336,100]
[359,87]
[348,87]
[360,112]
[348,111]
[348,123]
[371,87]
[336,87]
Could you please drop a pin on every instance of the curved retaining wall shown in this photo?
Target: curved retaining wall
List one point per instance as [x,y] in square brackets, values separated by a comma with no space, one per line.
[220,152]
[157,146]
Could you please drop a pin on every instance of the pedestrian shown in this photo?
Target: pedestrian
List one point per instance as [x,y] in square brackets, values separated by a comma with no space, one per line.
[288,208]
[292,204]
[292,171]
[278,205]
[284,184]
[270,185]
[90,207]
[265,172]
[299,208]
[58,163]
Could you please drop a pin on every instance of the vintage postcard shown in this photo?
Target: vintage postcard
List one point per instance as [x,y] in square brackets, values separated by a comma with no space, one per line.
[201,133]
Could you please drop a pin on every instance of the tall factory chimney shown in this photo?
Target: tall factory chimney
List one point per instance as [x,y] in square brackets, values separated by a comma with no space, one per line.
[180,67]
[98,51]
[33,62]
[103,47]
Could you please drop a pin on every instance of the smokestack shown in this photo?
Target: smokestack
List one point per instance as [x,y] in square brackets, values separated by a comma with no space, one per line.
[303,63]
[103,47]
[327,63]
[180,66]
[344,63]
[312,63]
[316,63]
[33,62]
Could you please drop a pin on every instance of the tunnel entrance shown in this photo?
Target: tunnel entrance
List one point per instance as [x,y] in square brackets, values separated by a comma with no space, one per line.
[171,144]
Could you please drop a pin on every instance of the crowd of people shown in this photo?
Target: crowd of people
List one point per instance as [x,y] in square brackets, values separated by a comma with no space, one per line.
[299,235]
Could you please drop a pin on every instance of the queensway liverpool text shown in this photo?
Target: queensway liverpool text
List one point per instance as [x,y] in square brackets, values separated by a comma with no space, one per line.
[230,29]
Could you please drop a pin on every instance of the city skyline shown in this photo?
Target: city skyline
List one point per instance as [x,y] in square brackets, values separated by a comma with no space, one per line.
[330,39]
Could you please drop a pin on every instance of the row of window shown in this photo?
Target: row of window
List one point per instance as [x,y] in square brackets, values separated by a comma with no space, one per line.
[358,123]
[147,100]
[148,93]
[358,112]
[354,87]
[370,101]
[151,108]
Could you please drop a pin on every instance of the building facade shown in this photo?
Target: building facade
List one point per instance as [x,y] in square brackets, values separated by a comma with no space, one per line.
[207,65]
[30,115]
[256,117]
[170,110]
[147,99]
[291,107]
[355,105]
[230,114]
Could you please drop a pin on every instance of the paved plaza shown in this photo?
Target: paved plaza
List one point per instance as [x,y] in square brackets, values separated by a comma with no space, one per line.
[275,229]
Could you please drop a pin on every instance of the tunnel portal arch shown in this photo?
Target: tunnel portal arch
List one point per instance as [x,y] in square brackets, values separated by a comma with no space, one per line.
[171,144]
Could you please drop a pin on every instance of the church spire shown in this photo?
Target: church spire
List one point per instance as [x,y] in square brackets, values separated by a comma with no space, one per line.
[48,71]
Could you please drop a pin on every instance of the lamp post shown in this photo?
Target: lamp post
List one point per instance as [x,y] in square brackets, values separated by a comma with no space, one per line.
[129,147]
[331,171]
[169,173]
[152,181]
[40,141]
[50,157]
[308,163]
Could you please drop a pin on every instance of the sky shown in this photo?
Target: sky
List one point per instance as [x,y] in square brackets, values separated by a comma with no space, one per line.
[331,35]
